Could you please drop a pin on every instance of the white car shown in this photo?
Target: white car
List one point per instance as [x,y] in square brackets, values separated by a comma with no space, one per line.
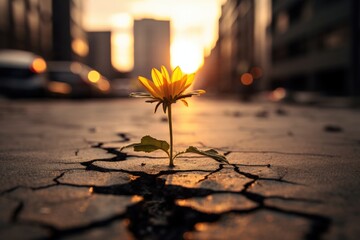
[22,73]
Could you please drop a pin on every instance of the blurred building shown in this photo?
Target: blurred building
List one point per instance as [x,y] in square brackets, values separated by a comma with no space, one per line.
[299,45]
[209,73]
[151,45]
[239,58]
[69,37]
[100,52]
[315,46]
[229,34]
[26,25]
[51,28]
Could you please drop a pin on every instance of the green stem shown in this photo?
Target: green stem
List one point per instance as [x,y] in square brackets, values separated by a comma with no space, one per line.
[171,164]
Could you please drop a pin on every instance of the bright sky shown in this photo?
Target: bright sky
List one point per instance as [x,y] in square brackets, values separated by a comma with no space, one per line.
[194,26]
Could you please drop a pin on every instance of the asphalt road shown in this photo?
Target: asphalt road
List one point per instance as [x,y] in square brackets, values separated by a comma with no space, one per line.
[293,171]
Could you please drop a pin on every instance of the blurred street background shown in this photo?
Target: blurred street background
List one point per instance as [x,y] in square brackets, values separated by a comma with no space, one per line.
[302,51]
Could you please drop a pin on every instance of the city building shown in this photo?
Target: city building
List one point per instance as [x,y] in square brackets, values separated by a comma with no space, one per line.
[26,25]
[301,46]
[209,73]
[315,46]
[50,28]
[241,50]
[99,56]
[69,37]
[151,46]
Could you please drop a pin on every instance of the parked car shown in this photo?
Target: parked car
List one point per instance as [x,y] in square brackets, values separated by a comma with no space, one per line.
[22,73]
[75,79]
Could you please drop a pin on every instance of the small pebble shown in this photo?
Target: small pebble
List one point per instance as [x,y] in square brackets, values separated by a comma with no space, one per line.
[332,128]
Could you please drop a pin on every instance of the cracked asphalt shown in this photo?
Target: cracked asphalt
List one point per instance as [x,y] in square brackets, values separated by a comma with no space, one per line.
[293,171]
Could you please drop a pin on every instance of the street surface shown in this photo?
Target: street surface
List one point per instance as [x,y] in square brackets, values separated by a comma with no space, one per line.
[293,171]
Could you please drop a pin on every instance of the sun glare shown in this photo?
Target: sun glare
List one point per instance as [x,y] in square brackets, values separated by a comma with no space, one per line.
[186,54]
[122,51]
[193,31]
[122,55]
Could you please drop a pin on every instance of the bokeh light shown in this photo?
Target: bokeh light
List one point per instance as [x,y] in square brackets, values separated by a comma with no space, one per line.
[246,79]
[94,76]
[278,94]
[38,65]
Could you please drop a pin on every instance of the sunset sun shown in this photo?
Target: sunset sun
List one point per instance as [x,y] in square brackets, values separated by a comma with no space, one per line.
[193,35]
[186,54]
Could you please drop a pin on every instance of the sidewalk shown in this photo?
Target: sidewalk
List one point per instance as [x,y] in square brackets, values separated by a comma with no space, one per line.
[293,172]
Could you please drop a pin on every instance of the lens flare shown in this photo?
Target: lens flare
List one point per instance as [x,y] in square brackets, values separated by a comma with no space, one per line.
[94,76]
[38,65]
[246,79]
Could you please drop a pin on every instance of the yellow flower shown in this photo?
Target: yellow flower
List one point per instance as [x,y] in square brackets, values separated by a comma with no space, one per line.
[165,89]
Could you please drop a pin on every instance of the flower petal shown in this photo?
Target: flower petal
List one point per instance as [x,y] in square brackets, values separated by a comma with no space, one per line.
[164,106]
[157,105]
[179,85]
[190,94]
[164,88]
[176,75]
[140,95]
[157,79]
[165,73]
[185,102]
[182,86]
[189,81]
[197,92]
[150,86]
[168,86]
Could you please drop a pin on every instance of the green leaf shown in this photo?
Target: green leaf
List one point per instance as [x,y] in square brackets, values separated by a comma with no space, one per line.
[211,153]
[149,144]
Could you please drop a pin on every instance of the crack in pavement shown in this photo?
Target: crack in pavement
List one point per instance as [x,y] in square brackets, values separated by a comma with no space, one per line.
[157,215]
[221,166]
[16,212]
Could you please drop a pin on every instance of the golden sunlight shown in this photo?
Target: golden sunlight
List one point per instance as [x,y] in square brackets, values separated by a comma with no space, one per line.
[193,35]
[187,55]
[122,54]
[122,41]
